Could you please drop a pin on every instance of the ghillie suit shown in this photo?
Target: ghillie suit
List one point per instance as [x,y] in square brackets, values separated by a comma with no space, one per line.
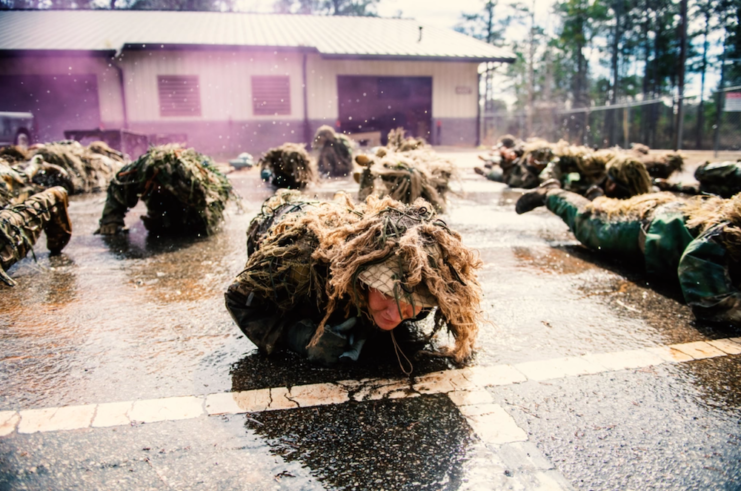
[17,184]
[21,225]
[288,166]
[578,168]
[89,169]
[639,149]
[505,162]
[183,190]
[406,176]
[312,264]
[335,152]
[629,177]
[697,241]
[663,165]
[14,154]
[397,142]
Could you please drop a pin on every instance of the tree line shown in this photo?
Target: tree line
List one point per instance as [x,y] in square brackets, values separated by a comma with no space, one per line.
[600,72]
[632,55]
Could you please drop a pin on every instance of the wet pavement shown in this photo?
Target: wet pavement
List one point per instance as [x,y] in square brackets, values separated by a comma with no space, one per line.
[140,319]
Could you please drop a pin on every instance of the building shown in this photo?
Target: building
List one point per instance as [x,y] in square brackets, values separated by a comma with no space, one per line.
[235,82]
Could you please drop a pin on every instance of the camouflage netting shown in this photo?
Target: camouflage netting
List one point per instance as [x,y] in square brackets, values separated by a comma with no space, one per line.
[290,165]
[335,152]
[183,191]
[407,175]
[319,253]
[86,169]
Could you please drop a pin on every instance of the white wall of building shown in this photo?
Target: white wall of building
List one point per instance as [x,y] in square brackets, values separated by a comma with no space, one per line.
[224,77]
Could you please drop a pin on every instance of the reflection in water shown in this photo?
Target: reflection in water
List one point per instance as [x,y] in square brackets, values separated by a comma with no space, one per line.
[717,381]
[286,369]
[418,443]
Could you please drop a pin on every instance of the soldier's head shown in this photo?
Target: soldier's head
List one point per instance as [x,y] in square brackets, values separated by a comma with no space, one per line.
[389,298]
[626,177]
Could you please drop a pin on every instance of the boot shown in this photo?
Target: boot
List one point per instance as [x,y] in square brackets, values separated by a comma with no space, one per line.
[59,227]
[536,197]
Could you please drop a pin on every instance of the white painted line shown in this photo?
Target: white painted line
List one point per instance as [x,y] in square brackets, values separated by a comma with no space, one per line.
[169,409]
[279,399]
[496,375]
[669,354]
[223,403]
[470,397]
[698,350]
[112,414]
[384,389]
[727,346]
[8,422]
[319,395]
[559,368]
[492,424]
[626,359]
[56,419]
[465,388]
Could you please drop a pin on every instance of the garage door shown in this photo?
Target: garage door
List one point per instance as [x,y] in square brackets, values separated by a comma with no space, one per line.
[57,102]
[383,103]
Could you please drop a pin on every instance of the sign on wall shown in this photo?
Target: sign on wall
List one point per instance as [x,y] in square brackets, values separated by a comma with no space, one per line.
[733,102]
[463,89]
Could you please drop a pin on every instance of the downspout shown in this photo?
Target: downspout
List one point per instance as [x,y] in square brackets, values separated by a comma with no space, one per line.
[478,108]
[307,130]
[121,81]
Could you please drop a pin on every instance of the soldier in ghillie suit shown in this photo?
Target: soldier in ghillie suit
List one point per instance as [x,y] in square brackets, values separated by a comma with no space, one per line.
[87,169]
[335,152]
[183,190]
[720,178]
[18,182]
[325,277]
[663,165]
[288,166]
[578,168]
[21,225]
[519,164]
[696,241]
[410,172]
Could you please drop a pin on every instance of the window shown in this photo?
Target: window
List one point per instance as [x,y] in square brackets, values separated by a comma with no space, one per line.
[180,95]
[271,95]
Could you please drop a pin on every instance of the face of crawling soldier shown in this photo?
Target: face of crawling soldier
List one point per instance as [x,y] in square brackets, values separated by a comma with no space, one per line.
[385,311]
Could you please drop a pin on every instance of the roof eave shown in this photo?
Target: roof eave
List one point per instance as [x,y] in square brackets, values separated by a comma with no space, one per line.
[467,59]
[216,47]
[19,53]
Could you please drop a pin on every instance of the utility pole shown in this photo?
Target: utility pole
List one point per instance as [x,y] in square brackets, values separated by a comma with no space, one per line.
[531,74]
[719,102]
[680,86]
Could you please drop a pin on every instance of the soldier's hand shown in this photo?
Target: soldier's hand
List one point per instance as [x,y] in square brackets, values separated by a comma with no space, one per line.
[333,343]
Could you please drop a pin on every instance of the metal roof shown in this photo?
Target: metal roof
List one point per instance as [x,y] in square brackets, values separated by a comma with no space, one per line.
[331,36]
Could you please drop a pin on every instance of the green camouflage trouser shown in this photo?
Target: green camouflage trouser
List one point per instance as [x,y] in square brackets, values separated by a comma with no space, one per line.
[670,251]
[22,224]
